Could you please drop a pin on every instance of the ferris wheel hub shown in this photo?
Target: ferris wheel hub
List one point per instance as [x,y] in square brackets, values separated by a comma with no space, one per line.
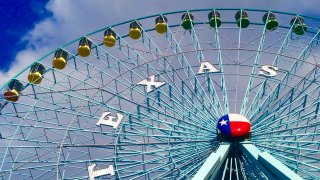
[234,126]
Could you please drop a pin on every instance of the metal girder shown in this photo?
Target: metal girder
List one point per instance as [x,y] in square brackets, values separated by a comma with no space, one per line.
[270,166]
[212,165]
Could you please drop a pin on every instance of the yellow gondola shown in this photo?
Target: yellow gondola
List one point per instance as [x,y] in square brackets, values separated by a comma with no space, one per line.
[161,24]
[60,59]
[110,38]
[84,47]
[36,73]
[12,93]
[135,31]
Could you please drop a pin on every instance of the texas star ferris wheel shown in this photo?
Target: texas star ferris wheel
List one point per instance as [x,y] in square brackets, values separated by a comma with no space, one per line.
[197,94]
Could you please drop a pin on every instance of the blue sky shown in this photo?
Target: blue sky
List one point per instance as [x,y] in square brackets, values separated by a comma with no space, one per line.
[16,19]
[32,28]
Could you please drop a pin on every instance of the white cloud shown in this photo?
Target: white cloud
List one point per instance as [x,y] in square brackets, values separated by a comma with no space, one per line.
[72,19]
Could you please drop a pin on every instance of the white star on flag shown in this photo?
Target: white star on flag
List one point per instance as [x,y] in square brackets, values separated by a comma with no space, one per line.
[223,122]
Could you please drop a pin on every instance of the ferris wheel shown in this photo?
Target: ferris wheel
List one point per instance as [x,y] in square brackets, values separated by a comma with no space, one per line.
[197,94]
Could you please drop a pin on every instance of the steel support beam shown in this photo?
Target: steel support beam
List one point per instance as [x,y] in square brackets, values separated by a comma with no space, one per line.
[269,165]
[212,165]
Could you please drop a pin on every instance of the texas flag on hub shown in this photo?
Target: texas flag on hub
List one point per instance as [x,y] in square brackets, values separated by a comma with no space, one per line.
[234,125]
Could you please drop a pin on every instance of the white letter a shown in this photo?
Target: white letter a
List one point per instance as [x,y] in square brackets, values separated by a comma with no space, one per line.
[207,67]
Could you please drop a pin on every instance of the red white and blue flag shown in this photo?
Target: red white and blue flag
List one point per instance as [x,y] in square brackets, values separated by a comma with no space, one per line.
[234,125]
